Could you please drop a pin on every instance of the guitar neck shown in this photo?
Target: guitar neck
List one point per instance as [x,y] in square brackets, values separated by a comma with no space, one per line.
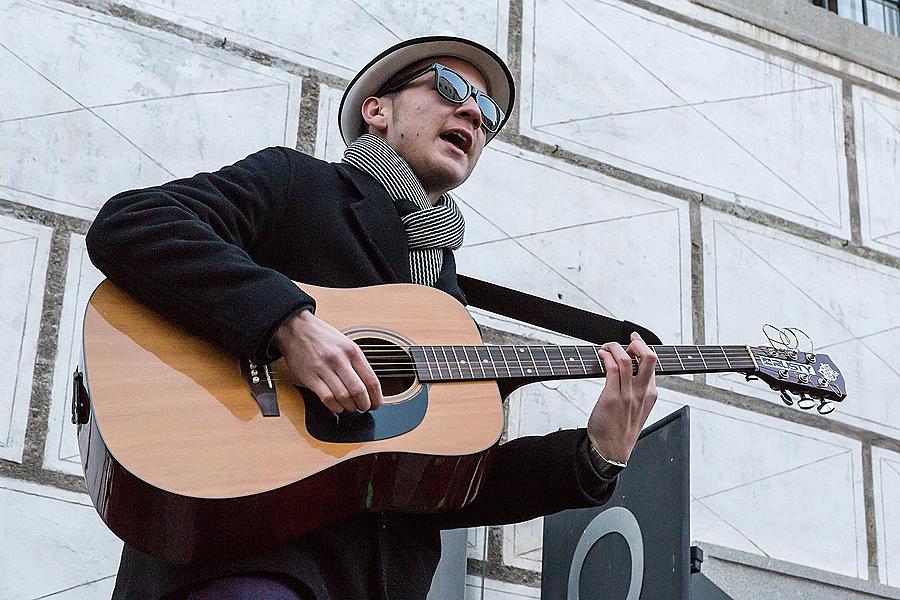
[468,363]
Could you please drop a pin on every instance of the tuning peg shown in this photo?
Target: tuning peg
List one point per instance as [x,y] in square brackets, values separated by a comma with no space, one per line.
[825,407]
[806,402]
[786,397]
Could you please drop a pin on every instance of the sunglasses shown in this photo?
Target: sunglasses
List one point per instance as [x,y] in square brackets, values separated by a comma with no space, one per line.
[453,88]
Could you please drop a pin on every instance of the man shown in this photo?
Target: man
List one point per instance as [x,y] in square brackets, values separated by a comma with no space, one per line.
[219,251]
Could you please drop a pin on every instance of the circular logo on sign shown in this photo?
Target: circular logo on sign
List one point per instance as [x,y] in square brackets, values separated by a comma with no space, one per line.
[616,519]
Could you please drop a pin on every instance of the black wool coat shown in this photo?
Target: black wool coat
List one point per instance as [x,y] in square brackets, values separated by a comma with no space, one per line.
[218,252]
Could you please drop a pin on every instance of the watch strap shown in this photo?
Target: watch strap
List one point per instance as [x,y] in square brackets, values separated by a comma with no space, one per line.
[605,468]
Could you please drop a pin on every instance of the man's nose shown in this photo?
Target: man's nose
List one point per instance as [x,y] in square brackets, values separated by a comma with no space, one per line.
[469,110]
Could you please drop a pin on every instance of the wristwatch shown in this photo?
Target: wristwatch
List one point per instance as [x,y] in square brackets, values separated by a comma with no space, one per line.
[606,469]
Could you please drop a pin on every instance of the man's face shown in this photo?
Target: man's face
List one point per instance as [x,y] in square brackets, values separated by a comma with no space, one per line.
[440,140]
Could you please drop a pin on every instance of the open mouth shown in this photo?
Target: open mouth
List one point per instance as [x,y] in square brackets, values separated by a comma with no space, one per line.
[458,139]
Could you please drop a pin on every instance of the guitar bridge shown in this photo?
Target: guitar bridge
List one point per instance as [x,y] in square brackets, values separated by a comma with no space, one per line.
[259,380]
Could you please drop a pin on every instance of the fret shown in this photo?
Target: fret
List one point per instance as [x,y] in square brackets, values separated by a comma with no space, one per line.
[716,355]
[550,371]
[666,361]
[539,367]
[420,359]
[513,361]
[556,361]
[449,364]
[580,359]
[526,351]
[484,361]
[497,357]
[474,357]
[678,356]
[434,361]
[690,358]
[741,356]
[725,354]
[700,352]
[591,360]
[465,367]
[453,360]
[572,359]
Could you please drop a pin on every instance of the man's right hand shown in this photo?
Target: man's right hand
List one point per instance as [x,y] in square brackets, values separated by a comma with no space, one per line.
[328,363]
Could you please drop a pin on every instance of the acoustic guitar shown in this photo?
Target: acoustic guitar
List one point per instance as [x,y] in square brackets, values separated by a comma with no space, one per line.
[193,454]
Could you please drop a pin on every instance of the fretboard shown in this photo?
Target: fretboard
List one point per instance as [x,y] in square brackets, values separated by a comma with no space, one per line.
[466,363]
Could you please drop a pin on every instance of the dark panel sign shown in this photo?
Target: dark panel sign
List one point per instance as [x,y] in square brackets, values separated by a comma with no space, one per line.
[637,545]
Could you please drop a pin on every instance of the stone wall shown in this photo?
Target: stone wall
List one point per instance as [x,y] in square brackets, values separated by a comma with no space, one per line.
[666,163]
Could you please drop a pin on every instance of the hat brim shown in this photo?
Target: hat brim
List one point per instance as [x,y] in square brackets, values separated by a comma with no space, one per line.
[387,64]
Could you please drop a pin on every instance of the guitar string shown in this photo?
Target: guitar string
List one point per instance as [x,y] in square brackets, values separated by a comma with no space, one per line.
[553,364]
[398,369]
[412,367]
[555,361]
[591,347]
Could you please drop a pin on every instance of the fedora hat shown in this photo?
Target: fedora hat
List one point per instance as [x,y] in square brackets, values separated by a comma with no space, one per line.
[374,75]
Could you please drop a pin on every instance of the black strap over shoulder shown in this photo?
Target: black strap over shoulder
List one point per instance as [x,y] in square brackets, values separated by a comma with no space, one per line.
[555,316]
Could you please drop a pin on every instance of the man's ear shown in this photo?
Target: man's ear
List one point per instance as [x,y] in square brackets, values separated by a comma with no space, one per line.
[376,112]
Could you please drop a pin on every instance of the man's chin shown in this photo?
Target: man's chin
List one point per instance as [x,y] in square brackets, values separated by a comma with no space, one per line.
[445,177]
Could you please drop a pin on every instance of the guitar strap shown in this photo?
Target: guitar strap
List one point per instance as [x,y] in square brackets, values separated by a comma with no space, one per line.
[555,316]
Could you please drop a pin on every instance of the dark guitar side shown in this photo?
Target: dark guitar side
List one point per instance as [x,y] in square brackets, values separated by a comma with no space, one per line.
[180,463]
[188,529]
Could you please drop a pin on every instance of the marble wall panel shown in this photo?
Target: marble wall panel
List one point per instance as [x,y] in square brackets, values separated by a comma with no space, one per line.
[877,125]
[886,474]
[572,235]
[758,484]
[754,275]
[329,144]
[54,544]
[680,104]
[104,106]
[24,252]
[61,449]
[336,37]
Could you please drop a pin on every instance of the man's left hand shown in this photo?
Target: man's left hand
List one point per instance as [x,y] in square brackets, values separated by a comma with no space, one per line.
[626,400]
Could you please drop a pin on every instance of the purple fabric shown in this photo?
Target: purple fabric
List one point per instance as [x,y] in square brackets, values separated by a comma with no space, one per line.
[246,587]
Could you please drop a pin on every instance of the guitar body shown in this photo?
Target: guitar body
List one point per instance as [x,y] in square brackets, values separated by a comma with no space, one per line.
[181,463]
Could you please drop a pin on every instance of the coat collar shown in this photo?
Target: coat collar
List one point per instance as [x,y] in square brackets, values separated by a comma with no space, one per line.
[378,220]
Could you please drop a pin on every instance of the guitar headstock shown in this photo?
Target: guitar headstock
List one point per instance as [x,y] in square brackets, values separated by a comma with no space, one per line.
[813,378]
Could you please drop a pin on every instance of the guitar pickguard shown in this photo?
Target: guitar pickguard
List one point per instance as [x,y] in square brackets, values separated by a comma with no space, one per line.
[390,420]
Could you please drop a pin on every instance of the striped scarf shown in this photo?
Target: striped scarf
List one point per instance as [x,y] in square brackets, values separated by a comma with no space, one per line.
[429,229]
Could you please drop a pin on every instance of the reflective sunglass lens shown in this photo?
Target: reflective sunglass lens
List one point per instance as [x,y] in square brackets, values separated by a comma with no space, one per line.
[452,86]
[490,114]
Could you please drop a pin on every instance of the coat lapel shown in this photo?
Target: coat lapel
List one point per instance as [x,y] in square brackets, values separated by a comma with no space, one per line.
[380,225]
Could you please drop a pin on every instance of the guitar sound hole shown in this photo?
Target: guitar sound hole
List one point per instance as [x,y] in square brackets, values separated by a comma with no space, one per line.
[391,363]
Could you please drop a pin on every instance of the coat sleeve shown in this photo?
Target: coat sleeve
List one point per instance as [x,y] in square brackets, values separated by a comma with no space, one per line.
[531,477]
[184,248]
